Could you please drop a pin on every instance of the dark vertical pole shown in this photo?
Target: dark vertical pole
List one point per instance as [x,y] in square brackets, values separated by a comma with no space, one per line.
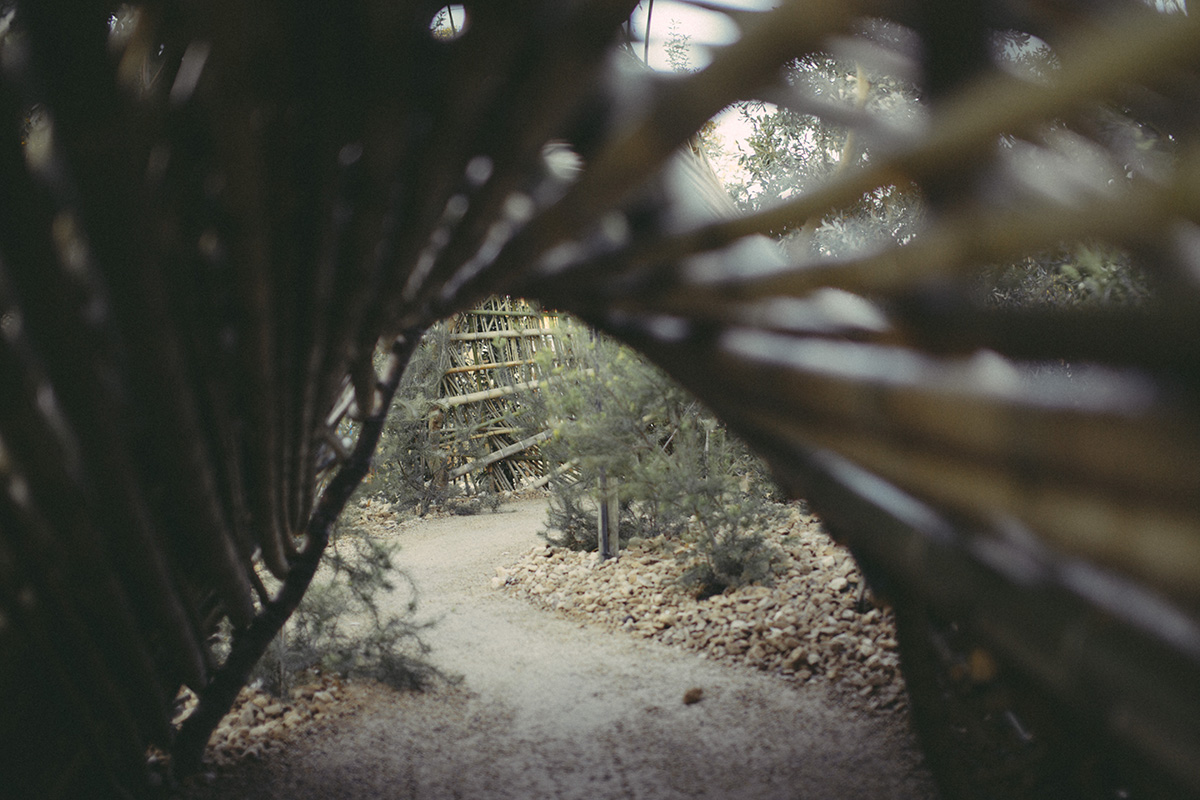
[602,500]
[606,498]
[610,513]
[646,47]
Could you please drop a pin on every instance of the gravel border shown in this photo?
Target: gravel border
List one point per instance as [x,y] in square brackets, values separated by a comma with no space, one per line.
[816,621]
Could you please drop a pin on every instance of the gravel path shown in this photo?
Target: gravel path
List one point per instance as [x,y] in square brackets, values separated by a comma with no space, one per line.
[551,708]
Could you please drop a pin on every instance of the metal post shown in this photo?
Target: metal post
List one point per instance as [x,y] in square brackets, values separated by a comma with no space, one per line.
[614,519]
[610,512]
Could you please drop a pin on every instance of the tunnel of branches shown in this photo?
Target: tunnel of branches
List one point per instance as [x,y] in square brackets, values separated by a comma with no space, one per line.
[212,216]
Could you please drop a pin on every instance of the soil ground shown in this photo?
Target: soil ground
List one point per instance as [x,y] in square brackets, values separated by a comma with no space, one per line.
[549,708]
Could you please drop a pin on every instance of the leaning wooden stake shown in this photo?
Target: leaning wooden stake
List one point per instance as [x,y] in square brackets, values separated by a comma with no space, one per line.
[250,643]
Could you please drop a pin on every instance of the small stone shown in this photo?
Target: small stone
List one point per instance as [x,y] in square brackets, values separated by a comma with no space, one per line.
[693,696]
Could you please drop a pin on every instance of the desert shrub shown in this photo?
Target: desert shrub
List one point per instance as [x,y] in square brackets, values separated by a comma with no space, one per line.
[619,421]
[727,557]
[409,469]
[340,626]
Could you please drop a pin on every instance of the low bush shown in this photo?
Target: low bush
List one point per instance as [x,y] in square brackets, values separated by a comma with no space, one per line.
[622,425]
[340,626]
[409,469]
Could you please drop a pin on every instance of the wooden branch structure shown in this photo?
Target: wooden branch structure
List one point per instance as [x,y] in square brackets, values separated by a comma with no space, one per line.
[499,455]
[491,365]
[211,215]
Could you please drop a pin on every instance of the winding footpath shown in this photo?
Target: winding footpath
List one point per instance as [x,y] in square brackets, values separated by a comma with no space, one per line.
[549,708]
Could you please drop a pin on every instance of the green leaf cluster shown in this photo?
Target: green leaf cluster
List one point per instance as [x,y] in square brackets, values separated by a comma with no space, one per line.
[788,153]
[1089,274]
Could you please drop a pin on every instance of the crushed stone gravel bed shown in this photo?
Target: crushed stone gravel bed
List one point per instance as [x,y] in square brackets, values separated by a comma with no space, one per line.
[260,724]
[816,621]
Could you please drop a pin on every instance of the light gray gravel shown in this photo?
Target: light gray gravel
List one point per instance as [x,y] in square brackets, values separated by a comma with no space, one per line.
[551,708]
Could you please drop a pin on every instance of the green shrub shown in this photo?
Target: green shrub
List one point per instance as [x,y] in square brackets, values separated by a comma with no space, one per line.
[340,627]
[409,464]
[726,557]
[676,470]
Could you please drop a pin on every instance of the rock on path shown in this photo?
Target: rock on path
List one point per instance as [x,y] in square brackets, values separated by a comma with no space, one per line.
[551,708]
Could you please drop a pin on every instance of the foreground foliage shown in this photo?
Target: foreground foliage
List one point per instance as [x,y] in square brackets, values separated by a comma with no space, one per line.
[341,627]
